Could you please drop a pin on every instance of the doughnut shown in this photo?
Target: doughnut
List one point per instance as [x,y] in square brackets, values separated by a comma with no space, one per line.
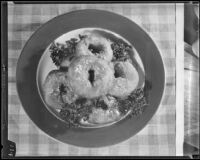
[100,116]
[90,76]
[95,45]
[126,79]
[55,82]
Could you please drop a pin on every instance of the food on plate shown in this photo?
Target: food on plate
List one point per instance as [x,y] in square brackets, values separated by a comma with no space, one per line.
[90,77]
[95,83]
[126,79]
[62,54]
[99,116]
[97,45]
[121,51]
[57,90]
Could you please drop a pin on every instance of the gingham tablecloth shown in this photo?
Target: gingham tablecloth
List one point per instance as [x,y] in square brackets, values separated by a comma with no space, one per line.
[156,139]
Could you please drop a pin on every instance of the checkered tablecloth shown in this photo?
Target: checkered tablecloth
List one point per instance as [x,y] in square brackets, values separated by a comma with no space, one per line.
[156,139]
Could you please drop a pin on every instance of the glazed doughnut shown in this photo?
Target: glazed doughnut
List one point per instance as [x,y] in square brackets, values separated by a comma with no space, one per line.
[54,82]
[126,80]
[95,45]
[90,77]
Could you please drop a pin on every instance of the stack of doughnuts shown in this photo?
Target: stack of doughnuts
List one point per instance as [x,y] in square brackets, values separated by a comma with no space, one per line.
[91,74]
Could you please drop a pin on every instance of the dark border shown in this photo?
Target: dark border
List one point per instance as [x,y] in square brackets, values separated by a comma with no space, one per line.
[4,80]
[105,157]
[93,2]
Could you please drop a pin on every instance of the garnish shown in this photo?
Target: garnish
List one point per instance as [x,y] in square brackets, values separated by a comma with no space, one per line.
[60,52]
[120,51]
[134,102]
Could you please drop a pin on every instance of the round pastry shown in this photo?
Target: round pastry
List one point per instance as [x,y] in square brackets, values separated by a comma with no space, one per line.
[56,89]
[90,77]
[126,79]
[95,45]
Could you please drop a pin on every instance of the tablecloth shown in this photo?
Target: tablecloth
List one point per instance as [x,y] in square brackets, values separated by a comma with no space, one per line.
[157,138]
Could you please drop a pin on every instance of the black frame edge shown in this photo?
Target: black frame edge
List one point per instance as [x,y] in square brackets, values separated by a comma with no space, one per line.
[8,147]
[5,143]
[4,78]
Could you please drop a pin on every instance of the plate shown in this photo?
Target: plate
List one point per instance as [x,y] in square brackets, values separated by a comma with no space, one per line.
[46,65]
[27,87]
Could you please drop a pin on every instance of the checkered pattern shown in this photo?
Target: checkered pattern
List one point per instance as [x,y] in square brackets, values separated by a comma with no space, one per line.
[157,138]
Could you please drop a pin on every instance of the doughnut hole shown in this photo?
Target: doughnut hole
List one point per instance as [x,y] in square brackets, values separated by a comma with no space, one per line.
[119,72]
[62,88]
[91,76]
[95,49]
